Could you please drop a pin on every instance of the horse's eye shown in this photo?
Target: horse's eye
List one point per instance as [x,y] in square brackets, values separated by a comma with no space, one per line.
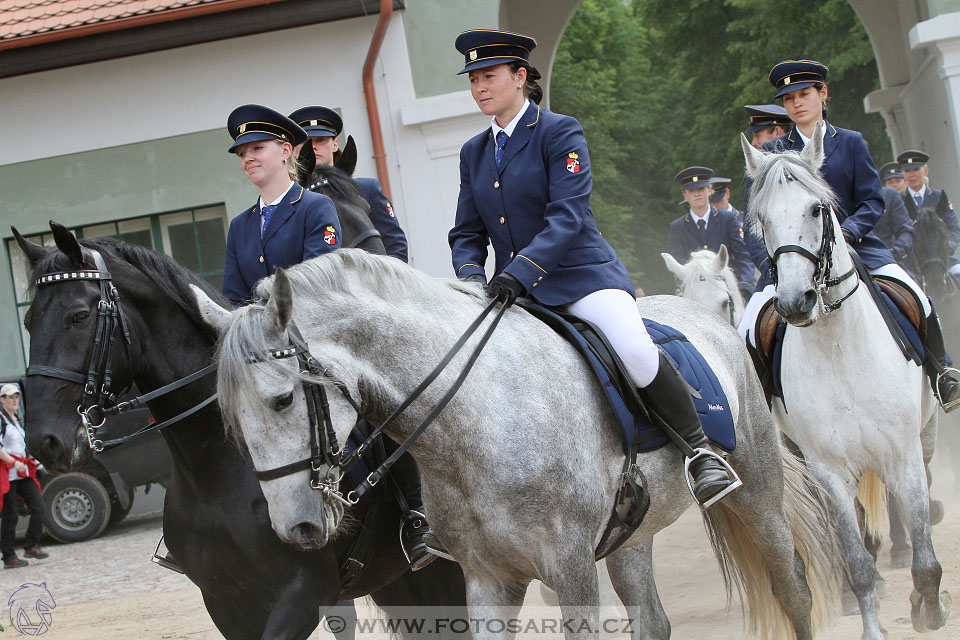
[816,212]
[282,402]
[80,317]
[726,303]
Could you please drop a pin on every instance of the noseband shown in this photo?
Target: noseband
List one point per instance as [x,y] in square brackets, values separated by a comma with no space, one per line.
[97,381]
[323,441]
[822,260]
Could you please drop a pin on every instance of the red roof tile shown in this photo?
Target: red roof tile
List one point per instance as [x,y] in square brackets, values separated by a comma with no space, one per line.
[24,22]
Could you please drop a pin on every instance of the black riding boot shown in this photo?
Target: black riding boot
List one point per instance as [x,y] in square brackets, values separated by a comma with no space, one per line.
[414,525]
[669,397]
[944,379]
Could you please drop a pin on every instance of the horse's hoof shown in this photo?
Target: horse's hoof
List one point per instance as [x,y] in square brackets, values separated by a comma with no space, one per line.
[936,512]
[924,620]
[901,557]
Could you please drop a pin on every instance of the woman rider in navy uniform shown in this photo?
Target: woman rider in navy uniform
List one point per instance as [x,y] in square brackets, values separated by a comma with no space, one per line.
[851,174]
[525,187]
[288,224]
[323,125]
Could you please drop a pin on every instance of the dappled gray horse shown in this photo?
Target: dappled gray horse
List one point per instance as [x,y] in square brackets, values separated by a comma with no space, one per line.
[521,469]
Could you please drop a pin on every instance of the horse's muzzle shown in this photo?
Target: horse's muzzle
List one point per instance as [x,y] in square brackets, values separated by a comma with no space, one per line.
[797,310]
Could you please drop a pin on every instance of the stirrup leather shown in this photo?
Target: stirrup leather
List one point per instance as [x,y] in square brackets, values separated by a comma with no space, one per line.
[936,389]
[164,561]
[735,484]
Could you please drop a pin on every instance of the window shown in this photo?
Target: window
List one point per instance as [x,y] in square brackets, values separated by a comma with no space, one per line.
[195,238]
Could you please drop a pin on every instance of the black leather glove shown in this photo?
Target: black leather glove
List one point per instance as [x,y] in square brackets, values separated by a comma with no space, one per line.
[848,236]
[475,277]
[506,288]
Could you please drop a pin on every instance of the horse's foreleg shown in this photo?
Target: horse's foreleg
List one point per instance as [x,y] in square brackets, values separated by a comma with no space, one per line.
[574,578]
[860,564]
[296,613]
[929,608]
[492,603]
[631,573]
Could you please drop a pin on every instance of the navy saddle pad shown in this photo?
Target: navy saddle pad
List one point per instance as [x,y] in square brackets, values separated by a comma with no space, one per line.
[712,405]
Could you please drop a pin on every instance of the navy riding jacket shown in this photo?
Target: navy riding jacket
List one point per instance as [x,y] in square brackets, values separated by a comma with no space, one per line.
[931,198]
[305,225]
[895,228]
[850,172]
[723,228]
[535,210]
[384,218]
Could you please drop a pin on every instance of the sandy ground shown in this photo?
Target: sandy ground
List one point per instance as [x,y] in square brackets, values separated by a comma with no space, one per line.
[108,588]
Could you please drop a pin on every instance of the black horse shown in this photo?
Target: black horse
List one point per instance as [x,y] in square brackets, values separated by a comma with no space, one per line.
[215,517]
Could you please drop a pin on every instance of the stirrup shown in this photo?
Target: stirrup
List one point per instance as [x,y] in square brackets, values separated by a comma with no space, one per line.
[165,561]
[735,484]
[411,520]
[948,406]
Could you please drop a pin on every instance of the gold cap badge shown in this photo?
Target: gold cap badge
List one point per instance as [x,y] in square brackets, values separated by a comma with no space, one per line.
[786,80]
[694,179]
[473,54]
[243,127]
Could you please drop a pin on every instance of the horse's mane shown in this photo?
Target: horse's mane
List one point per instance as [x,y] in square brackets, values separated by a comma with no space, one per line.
[338,186]
[171,279]
[700,266]
[771,176]
[336,276]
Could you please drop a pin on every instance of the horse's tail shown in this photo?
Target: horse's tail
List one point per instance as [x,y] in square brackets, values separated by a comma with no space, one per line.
[872,494]
[814,537]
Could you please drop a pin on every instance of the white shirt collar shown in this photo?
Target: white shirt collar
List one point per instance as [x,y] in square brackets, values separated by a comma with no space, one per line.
[513,123]
[277,201]
[705,218]
[920,193]
[805,139]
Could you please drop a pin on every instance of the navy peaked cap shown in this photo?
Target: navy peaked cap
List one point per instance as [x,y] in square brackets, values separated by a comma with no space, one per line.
[253,122]
[694,177]
[912,159]
[764,116]
[488,47]
[318,122]
[793,75]
[890,170]
[719,186]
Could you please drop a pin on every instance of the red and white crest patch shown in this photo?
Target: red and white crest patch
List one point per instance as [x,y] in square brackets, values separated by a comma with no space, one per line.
[330,235]
[573,162]
[390,210]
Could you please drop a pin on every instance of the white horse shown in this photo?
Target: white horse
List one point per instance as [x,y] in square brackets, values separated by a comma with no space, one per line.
[856,405]
[708,279]
[521,469]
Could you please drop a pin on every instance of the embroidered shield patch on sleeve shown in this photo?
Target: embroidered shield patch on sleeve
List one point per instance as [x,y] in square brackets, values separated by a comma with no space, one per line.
[330,235]
[390,210]
[573,162]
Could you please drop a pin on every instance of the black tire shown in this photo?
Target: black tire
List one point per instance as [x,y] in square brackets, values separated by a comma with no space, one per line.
[118,513]
[76,507]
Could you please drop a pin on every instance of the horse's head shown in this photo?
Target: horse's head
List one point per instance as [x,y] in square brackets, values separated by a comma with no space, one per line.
[791,208]
[706,278]
[264,392]
[67,312]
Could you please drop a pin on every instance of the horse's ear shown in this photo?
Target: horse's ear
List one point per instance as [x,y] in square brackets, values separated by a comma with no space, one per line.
[307,161]
[35,251]
[67,243]
[279,309]
[211,312]
[723,258]
[751,155]
[673,266]
[813,152]
[348,157]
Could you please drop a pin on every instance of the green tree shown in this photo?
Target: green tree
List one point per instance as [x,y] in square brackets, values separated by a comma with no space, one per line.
[659,88]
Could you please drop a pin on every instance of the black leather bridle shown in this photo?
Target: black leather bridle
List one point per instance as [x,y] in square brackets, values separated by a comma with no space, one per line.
[323,442]
[98,401]
[730,306]
[822,260]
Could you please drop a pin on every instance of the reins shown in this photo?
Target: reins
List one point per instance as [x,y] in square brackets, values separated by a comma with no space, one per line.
[326,438]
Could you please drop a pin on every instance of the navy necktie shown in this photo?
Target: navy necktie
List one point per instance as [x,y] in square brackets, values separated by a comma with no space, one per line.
[703,229]
[919,200]
[502,138]
[267,213]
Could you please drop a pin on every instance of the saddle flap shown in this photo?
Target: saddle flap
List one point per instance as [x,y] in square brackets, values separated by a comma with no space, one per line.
[906,300]
[765,332]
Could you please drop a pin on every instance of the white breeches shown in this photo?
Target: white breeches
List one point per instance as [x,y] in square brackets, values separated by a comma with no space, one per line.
[615,312]
[758,299]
